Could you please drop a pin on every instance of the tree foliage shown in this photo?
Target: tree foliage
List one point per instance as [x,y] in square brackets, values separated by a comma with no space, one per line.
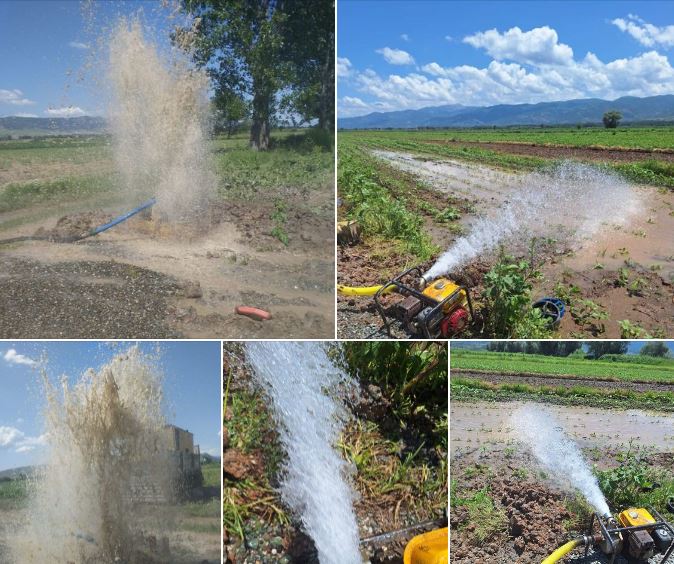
[597,349]
[655,348]
[611,119]
[270,56]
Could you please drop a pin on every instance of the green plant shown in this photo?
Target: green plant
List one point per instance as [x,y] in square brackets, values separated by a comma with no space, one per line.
[280,217]
[589,315]
[629,330]
[485,518]
[623,278]
[507,301]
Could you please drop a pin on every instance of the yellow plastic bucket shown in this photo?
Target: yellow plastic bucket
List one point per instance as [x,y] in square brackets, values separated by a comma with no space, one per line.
[429,548]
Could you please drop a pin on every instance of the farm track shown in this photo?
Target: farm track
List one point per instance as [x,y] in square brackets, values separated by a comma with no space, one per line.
[557,381]
[594,154]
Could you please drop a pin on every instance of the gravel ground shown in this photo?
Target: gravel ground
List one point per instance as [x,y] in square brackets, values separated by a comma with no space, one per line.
[83,300]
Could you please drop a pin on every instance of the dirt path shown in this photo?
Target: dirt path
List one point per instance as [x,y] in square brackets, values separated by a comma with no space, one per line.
[554,152]
[565,381]
[473,425]
[147,279]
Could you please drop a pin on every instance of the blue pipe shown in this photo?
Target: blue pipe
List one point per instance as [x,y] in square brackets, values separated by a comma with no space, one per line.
[124,217]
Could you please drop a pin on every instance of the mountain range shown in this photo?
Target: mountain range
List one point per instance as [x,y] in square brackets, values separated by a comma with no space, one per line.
[570,112]
[52,126]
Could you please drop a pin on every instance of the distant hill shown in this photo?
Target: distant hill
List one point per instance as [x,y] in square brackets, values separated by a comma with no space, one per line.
[14,473]
[570,112]
[13,125]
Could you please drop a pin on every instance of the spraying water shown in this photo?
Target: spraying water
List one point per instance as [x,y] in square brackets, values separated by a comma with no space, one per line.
[159,120]
[303,385]
[574,199]
[557,453]
[105,441]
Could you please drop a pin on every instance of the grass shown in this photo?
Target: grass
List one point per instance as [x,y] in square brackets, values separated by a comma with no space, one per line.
[639,369]
[468,389]
[486,518]
[209,508]
[13,489]
[648,171]
[211,473]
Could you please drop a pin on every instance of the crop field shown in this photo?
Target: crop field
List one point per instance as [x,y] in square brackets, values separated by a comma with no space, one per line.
[266,240]
[617,413]
[641,369]
[415,194]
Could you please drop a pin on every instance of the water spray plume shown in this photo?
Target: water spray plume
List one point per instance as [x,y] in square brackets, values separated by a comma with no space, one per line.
[558,454]
[573,200]
[159,118]
[305,388]
[104,439]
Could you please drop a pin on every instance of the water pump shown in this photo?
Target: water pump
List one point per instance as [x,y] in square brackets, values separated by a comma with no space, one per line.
[638,533]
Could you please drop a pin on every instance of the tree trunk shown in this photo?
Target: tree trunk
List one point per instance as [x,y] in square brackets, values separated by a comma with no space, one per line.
[327,94]
[259,132]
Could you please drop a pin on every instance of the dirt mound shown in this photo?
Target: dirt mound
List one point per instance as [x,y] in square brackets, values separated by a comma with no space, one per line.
[74,226]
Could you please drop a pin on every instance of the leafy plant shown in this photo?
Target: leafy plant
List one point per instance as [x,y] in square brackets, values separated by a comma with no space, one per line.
[629,330]
[589,315]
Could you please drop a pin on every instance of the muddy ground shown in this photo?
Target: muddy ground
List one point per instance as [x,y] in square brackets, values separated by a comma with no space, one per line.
[538,513]
[591,269]
[191,540]
[148,278]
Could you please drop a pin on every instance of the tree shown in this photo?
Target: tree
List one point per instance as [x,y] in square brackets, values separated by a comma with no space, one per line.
[239,42]
[597,349]
[655,348]
[611,119]
[229,110]
[309,47]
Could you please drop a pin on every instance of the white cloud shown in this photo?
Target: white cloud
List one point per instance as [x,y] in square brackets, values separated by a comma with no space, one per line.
[343,67]
[396,56]
[538,46]
[78,45]
[645,33]
[69,111]
[13,438]
[21,114]
[14,97]
[12,357]
[545,71]
[449,38]
[404,37]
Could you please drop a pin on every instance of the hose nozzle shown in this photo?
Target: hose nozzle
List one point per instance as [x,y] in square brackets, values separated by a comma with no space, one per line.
[423,282]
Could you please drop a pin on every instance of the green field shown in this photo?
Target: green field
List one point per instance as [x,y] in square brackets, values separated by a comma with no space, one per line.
[657,137]
[647,170]
[519,363]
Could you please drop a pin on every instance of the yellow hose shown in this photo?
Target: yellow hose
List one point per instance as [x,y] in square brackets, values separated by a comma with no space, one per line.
[562,551]
[362,290]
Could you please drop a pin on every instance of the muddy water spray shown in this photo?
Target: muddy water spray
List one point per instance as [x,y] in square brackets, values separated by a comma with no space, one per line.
[104,442]
[159,120]
[304,386]
[573,200]
[557,453]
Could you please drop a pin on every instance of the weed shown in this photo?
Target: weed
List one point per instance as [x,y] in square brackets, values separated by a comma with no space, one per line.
[589,315]
[280,217]
[629,330]
[485,518]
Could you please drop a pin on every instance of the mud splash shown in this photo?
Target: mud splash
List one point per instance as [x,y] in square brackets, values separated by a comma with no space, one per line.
[105,448]
[159,118]
[573,201]
[305,388]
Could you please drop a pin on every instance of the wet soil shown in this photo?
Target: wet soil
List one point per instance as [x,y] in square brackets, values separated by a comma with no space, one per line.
[138,279]
[536,517]
[473,425]
[566,381]
[642,248]
[562,152]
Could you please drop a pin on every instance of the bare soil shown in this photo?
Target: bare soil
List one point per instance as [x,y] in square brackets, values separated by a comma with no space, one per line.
[147,278]
[592,154]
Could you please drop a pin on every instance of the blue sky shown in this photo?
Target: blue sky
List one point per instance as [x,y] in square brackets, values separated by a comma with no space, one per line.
[191,387]
[395,55]
[45,44]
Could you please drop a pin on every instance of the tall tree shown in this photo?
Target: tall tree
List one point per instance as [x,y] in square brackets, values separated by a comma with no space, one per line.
[611,119]
[597,349]
[655,348]
[239,42]
[309,46]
